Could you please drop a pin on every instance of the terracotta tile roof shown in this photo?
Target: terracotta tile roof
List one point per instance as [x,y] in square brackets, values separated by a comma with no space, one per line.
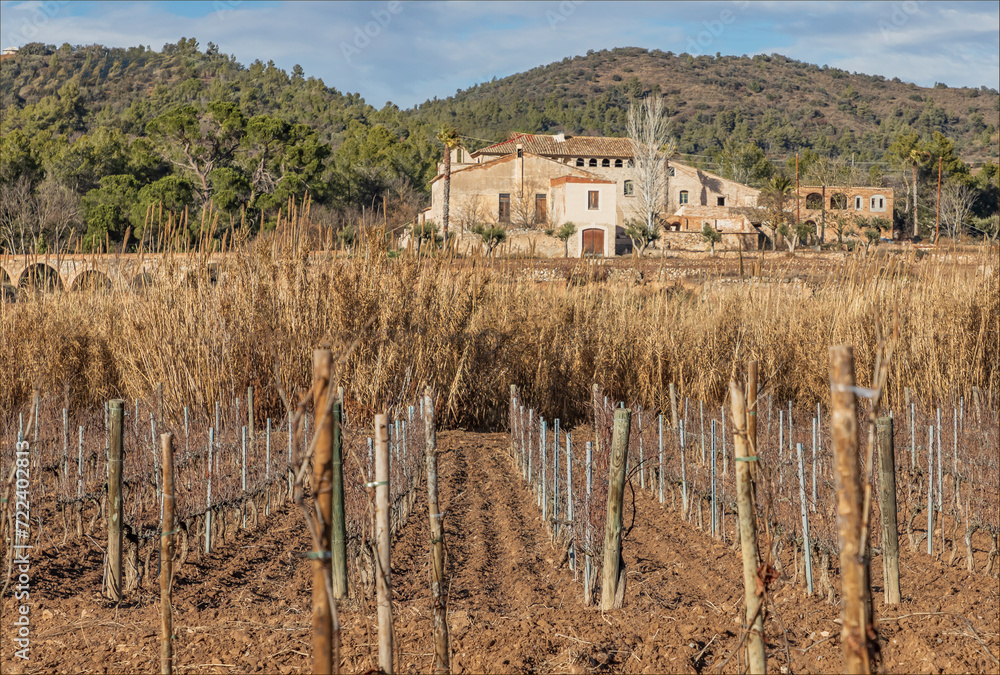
[573,146]
[489,162]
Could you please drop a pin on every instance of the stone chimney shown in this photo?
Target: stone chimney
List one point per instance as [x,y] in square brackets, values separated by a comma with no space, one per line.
[560,137]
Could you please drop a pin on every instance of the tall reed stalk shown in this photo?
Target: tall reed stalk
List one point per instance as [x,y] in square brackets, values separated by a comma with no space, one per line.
[472,327]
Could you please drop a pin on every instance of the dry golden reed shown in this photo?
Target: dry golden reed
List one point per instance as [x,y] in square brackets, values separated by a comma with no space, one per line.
[474,328]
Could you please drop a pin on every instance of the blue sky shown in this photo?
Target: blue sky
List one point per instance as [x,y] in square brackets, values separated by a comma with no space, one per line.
[407,52]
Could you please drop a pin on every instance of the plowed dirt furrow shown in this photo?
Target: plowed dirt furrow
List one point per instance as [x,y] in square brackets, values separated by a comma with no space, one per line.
[499,577]
[508,565]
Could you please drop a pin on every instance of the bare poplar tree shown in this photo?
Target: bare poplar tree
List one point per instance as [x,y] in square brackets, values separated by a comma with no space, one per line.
[957,200]
[471,212]
[57,213]
[652,148]
[17,215]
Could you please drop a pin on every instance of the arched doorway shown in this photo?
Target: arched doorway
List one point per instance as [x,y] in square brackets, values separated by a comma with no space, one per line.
[592,243]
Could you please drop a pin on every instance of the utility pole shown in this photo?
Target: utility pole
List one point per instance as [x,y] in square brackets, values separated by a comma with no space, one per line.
[937,220]
[822,219]
[798,205]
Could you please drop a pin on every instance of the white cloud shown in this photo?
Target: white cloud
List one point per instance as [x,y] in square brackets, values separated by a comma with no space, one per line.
[415,51]
[916,41]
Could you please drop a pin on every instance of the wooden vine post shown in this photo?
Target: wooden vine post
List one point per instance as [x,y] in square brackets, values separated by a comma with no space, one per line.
[596,402]
[756,658]
[208,490]
[438,585]
[250,420]
[79,483]
[167,556]
[339,525]
[673,406]
[159,404]
[115,449]
[613,571]
[853,560]
[751,399]
[322,490]
[887,504]
[382,533]
[513,420]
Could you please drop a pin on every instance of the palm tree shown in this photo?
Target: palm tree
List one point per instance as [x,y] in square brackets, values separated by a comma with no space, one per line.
[908,152]
[774,198]
[917,158]
[449,137]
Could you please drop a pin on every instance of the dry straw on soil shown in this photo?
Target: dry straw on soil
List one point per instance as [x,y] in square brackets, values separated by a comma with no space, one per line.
[470,328]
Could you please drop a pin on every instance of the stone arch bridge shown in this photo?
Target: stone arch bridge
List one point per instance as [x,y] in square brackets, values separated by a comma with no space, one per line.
[126,270]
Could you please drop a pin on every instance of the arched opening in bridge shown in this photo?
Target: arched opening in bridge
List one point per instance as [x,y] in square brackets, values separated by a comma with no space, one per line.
[209,276]
[91,280]
[141,281]
[7,291]
[40,276]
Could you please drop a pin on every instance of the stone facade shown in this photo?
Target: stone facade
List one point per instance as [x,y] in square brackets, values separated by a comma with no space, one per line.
[819,204]
[527,190]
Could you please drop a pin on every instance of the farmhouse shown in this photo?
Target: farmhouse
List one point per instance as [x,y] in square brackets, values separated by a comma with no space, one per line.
[541,181]
[822,202]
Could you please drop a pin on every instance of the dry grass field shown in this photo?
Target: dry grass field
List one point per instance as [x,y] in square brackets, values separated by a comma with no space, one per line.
[471,327]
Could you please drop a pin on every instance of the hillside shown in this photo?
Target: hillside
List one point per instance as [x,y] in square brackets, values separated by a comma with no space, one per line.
[127,88]
[101,135]
[778,103]
[80,116]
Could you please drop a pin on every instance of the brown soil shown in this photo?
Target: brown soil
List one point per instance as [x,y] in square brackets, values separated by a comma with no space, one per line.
[514,604]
